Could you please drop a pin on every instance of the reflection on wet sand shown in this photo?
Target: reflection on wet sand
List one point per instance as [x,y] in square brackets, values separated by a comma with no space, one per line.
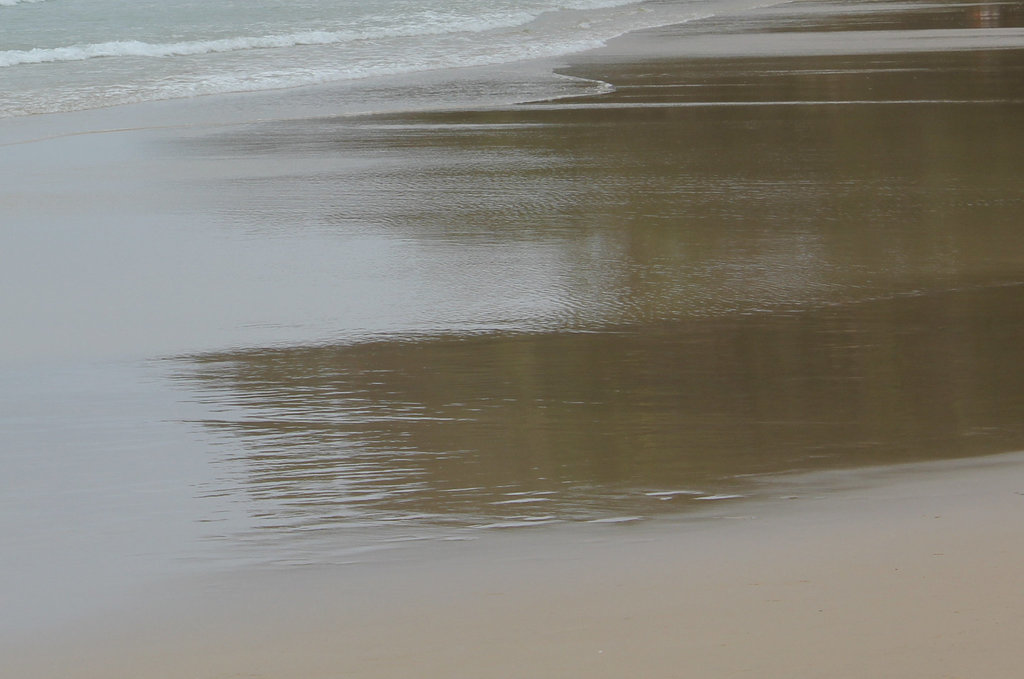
[726,268]
[581,214]
[473,430]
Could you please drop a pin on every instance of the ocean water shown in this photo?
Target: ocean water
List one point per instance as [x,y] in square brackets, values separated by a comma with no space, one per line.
[66,55]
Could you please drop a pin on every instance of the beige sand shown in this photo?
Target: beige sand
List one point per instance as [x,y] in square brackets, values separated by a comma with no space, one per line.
[909,572]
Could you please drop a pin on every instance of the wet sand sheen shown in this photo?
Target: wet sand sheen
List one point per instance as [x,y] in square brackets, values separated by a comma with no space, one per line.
[727,267]
[580,426]
[747,264]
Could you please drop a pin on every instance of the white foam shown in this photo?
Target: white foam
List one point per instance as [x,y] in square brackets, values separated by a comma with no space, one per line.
[432,37]
[138,48]
[429,24]
[12,3]
[310,75]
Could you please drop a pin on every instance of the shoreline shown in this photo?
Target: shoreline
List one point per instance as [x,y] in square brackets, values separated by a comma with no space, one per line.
[703,40]
[492,84]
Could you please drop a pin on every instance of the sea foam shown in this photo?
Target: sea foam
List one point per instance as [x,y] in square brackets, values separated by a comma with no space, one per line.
[191,49]
[430,24]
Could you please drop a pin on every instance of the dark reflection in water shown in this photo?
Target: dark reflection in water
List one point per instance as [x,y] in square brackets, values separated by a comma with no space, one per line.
[585,214]
[637,303]
[472,430]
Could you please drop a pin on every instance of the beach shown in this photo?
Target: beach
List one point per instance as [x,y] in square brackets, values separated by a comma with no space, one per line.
[696,354]
[905,571]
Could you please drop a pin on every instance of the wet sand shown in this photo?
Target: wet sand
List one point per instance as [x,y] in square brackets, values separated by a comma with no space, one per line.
[758,262]
[788,241]
[905,571]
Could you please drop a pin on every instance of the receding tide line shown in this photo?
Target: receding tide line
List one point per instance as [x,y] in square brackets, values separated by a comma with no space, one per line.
[811,102]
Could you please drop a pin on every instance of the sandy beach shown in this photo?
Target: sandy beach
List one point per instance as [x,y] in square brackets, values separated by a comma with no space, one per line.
[898,571]
[712,370]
